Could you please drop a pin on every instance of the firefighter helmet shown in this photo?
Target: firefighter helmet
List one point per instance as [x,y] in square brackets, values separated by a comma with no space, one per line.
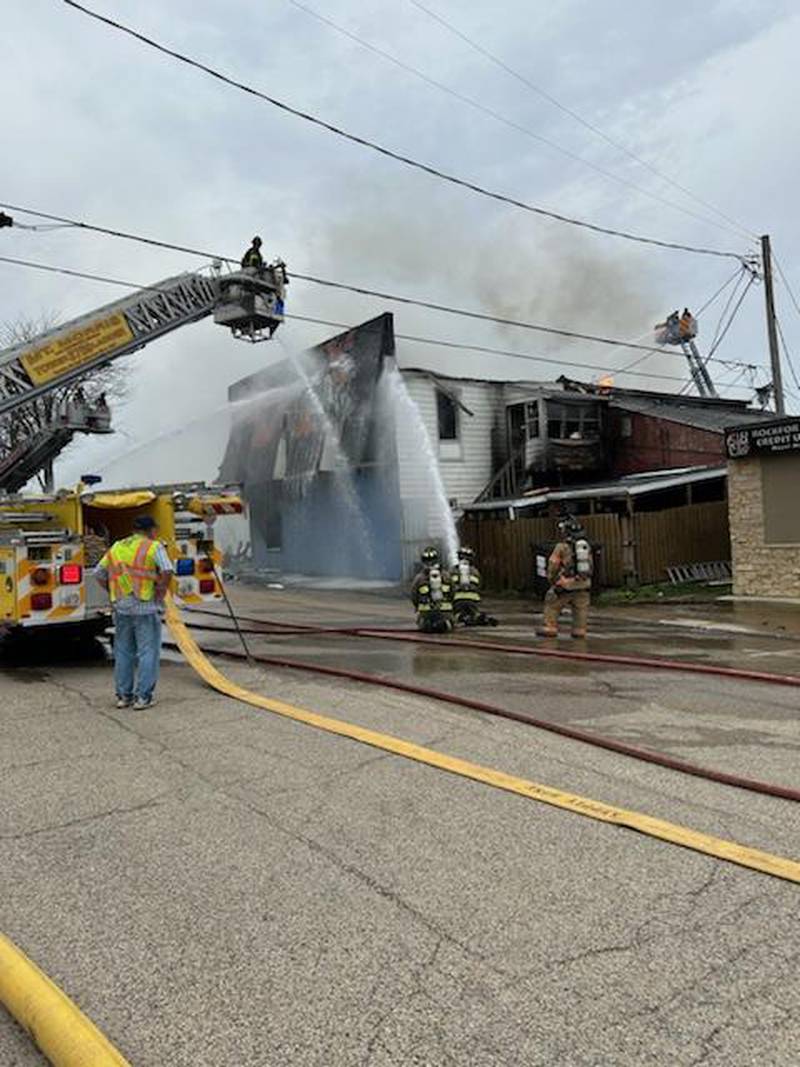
[430,556]
[466,553]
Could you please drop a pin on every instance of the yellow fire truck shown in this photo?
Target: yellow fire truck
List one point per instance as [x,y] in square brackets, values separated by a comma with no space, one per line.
[50,544]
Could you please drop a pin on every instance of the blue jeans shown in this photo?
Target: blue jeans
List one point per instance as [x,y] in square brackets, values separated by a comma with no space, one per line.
[137,644]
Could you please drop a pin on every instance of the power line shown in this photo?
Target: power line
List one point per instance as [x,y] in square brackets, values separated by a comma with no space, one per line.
[346,326]
[576,116]
[705,307]
[787,353]
[498,116]
[729,323]
[493,351]
[718,293]
[785,281]
[109,232]
[74,273]
[719,337]
[379,294]
[726,308]
[390,153]
[359,290]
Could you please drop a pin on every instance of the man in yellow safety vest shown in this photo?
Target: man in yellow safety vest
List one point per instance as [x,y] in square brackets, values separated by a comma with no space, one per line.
[136,571]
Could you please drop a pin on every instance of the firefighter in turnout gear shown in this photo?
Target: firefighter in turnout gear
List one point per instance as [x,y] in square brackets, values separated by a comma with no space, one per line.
[431,595]
[569,572]
[252,259]
[466,583]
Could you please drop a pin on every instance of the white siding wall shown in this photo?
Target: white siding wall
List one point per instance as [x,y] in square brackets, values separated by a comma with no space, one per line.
[463,477]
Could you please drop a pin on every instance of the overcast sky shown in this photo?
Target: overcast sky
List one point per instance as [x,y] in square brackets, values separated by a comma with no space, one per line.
[97,127]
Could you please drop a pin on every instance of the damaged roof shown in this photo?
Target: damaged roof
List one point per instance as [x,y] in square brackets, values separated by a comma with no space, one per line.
[700,417]
[631,485]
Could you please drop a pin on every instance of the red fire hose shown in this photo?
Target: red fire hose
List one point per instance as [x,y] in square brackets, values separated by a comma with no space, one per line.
[380,633]
[598,741]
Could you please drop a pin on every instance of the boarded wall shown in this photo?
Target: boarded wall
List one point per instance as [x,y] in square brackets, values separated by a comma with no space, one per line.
[697,533]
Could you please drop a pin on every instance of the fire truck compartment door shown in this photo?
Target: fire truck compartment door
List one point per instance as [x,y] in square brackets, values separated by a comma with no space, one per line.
[8,586]
[96,595]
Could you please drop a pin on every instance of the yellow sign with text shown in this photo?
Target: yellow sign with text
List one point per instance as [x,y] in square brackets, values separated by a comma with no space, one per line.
[73,349]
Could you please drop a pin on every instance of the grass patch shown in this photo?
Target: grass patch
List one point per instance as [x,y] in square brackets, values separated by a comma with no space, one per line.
[681,593]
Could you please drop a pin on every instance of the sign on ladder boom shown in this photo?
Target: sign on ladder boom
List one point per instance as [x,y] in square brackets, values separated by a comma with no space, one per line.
[250,302]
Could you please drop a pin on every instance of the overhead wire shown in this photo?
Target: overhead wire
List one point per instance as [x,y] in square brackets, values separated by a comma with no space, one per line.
[726,308]
[720,336]
[388,153]
[436,342]
[465,347]
[501,118]
[733,314]
[44,228]
[785,281]
[551,99]
[796,304]
[364,291]
[787,354]
[705,307]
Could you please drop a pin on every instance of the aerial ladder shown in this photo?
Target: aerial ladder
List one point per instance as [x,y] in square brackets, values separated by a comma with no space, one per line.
[681,330]
[35,450]
[249,302]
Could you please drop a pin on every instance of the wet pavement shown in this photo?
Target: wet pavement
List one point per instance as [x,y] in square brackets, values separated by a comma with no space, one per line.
[742,727]
[217,885]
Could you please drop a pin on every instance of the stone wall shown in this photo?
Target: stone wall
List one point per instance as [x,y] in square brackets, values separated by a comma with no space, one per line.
[758,569]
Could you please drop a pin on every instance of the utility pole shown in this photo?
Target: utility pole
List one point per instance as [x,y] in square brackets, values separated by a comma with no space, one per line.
[772,333]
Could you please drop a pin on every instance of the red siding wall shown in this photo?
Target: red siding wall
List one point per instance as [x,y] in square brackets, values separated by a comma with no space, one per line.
[657,444]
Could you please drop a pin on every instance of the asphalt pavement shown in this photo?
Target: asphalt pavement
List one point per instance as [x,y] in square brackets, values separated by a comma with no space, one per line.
[215,885]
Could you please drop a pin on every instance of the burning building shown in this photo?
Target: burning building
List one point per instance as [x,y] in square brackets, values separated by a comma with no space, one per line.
[350,465]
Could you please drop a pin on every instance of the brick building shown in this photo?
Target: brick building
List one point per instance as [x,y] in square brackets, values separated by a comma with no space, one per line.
[764,508]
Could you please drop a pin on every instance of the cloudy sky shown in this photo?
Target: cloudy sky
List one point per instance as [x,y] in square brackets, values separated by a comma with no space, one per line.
[98,127]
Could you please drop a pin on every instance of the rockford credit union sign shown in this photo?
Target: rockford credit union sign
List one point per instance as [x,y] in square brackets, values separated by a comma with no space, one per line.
[771,438]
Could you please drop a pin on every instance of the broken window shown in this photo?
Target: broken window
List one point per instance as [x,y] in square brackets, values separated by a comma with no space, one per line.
[572,426]
[555,421]
[532,420]
[447,414]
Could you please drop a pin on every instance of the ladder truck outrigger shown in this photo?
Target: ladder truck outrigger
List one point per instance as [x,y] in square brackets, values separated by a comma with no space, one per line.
[46,541]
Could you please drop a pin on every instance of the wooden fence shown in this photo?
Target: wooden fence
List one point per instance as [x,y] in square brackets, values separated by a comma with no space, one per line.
[697,533]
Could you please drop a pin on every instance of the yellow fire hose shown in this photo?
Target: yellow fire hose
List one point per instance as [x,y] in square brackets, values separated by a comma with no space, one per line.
[69,1039]
[59,1028]
[765,862]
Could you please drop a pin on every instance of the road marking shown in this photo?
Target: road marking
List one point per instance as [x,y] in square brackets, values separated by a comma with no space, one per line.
[58,1027]
[730,851]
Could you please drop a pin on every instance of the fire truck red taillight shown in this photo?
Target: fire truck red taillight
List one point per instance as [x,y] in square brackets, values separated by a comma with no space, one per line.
[40,576]
[41,602]
[71,574]
[207,585]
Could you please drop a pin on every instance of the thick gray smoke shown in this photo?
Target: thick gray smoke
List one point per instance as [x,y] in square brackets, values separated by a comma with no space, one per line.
[535,272]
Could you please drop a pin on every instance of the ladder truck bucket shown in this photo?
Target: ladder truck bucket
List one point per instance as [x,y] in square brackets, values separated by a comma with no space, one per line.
[250,302]
[676,329]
